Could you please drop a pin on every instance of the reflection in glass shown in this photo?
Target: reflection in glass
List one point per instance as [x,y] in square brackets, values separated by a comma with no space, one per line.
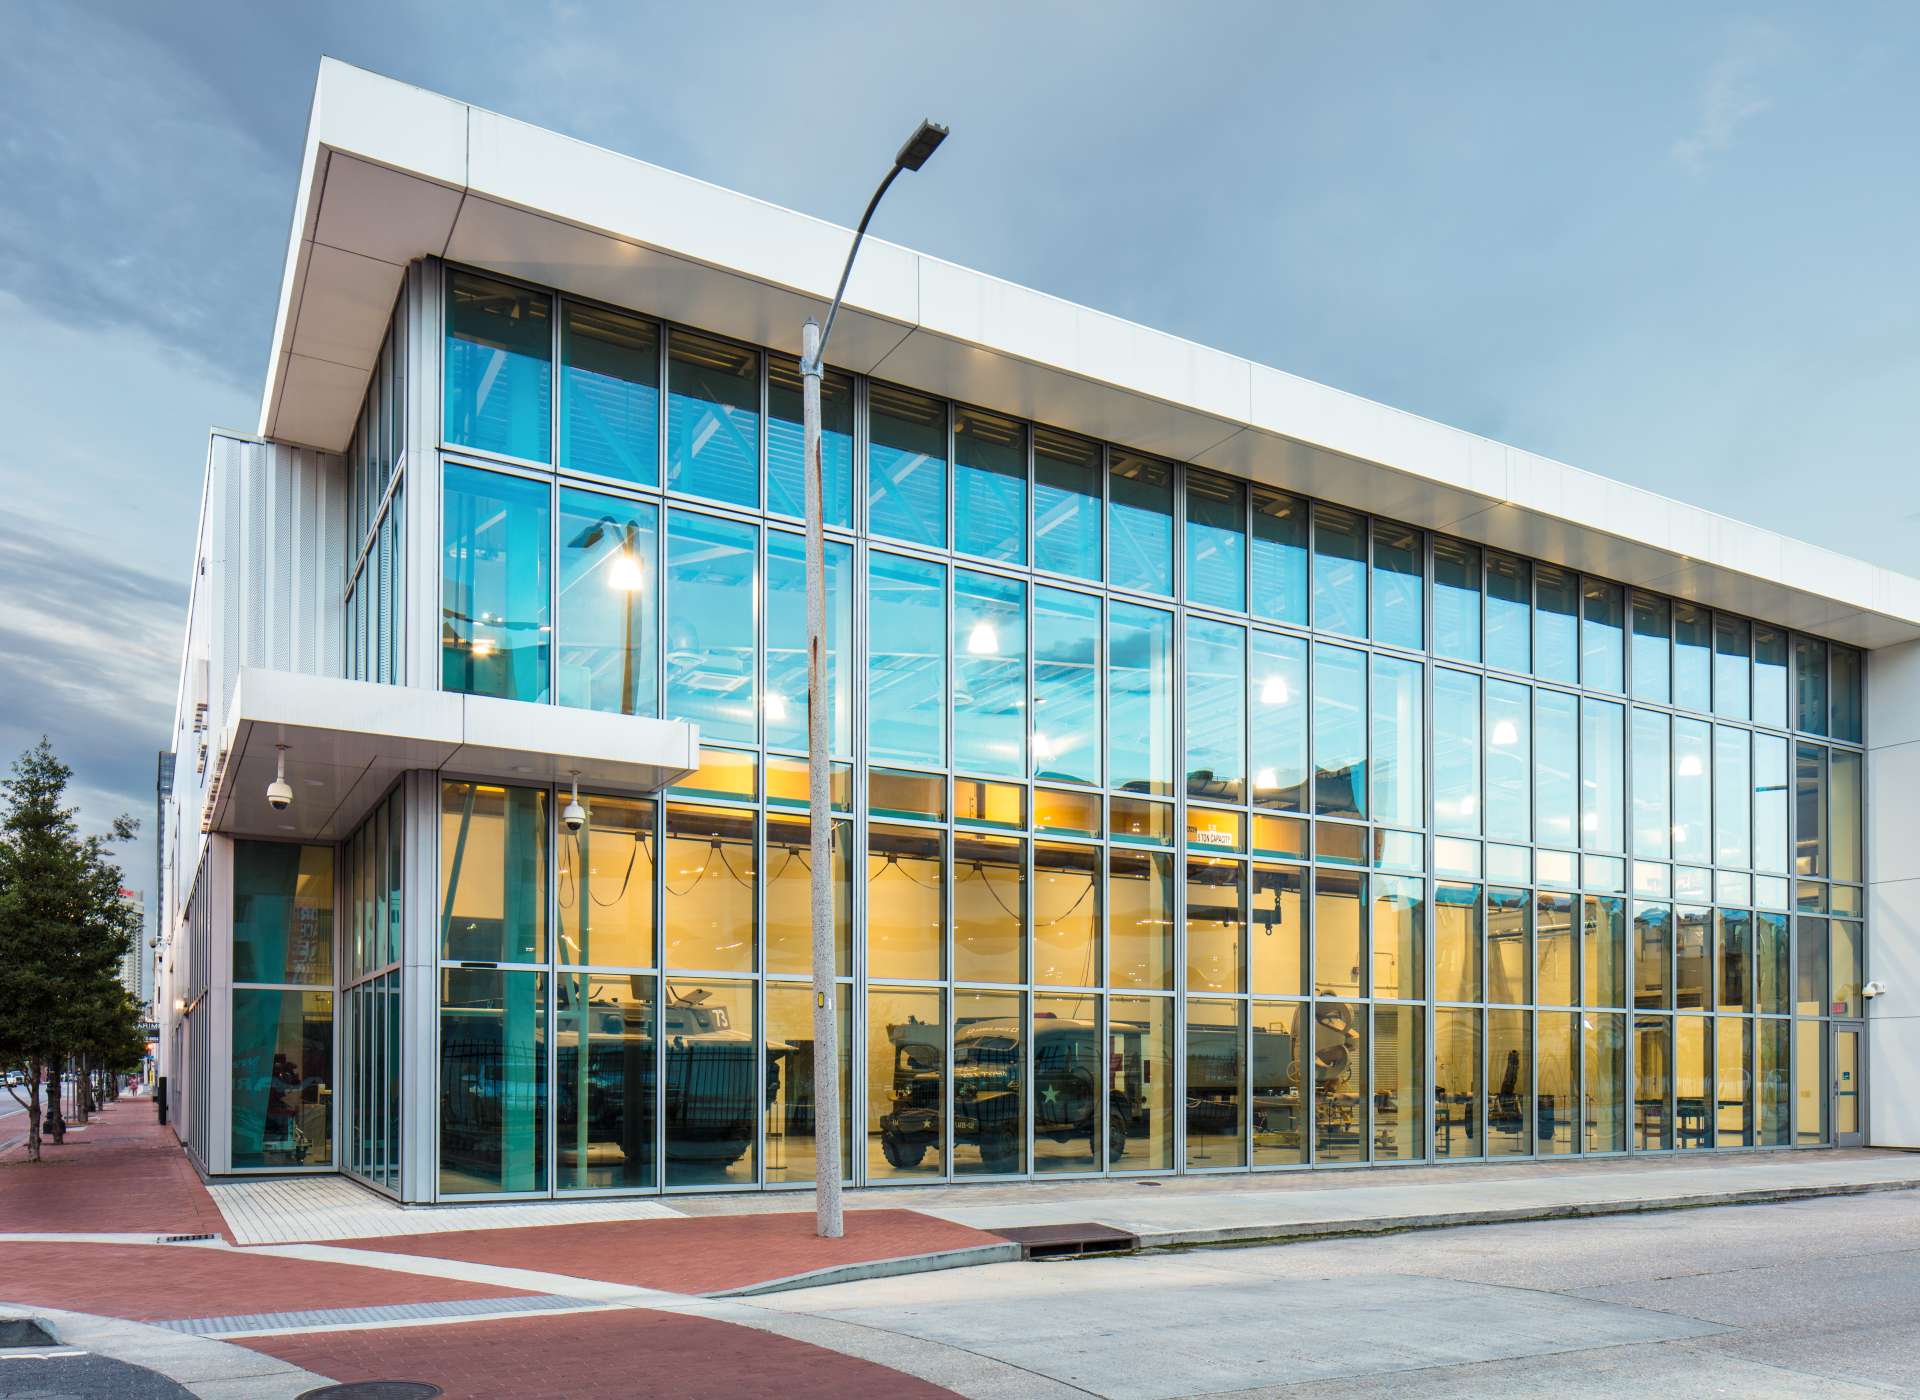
[713,418]
[1216,694]
[1555,767]
[791,1144]
[1733,1054]
[282,1085]
[494,601]
[1692,790]
[1456,600]
[1603,952]
[1066,504]
[1339,906]
[1339,1081]
[708,863]
[1399,936]
[1457,942]
[1069,1110]
[1601,618]
[1692,958]
[989,486]
[498,365]
[1509,1083]
[906,905]
[609,596]
[786,442]
[1457,1130]
[1509,612]
[1843,814]
[789,895]
[1731,683]
[1509,761]
[1651,647]
[1139,699]
[710,625]
[1140,514]
[1732,794]
[1733,960]
[1556,613]
[1555,1077]
[1339,571]
[906,660]
[989,1072]
[1399,751]
[1066,686]
[1769,676]
[1553,948]
[1277,686]
[603,1098]
[1216,925]
[1509,958]
[1653,955]
[1652,802]
[906,465]
[989,900]
[493,873]
[1845,672]
[1280,1076]
[1279,930]
[1692,656]
[1809,1082]
[1216,1064]
[784,706]
[493,1080]
[989,674]
[1652,1083]
[1066,914]
[1603,783]
[906,1083]
[605,885]
[1692,1079]
[1456,751]
[1810,684]
[610,395]
[1604,1120]
[1399,1082]
[1397,573]
[1279,556]
[1772,964]
[1140,1083]
[1216,541]
[1843,980]
[1339,731]
[283,912]
[1770,794]
[1810,810]
[1772,1122]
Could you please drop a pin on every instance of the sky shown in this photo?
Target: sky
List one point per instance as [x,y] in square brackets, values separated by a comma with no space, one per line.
[1673,244]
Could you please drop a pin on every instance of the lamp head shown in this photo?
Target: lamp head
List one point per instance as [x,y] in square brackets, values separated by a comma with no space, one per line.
[921,145]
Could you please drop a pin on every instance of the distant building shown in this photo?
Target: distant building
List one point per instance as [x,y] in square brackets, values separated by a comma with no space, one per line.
[136,967]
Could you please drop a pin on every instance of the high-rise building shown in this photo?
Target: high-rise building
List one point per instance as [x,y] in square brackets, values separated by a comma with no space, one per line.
[136,965]
[1232,774]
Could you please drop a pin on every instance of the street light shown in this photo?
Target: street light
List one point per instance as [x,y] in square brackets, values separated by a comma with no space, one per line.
[826,1030]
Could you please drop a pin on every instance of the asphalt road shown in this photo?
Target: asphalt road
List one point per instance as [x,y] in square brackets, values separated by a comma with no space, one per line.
[1798,1299]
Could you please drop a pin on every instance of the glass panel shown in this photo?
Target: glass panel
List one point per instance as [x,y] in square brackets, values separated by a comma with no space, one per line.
[1339,731]
[989,908]
[1399,1082]
[1603,952]
[603,1087]
[1770,791]
[1556,614]
[1066,685]
[786,448]
[1457,1129]
[493,862]
[1651,647]
[282,913]
[906,663]
[1692,790]
[1810,810]
[989,674]
[1556,1076]
[1556,767]
[906,1083]
[1509,961]
[1809,1082]
[1769,676]
[1693,958]
[713,418]
[1604,1092]
[1399,937]
[790,893]
[989,1068]
[1066,504]
[1653,955]
[1692,1082]
[1139,699]
[1731,683]
[1733,1055]
[1280,1078]
[1652,804]
[1140,1084]
[906,465]
[1772,964]
[1509,764]
[1216,925]
[1138,820]
[1772,1124]
[1068,1112]
[708,862]
[1456,599]
[1397,573]
[1456,751]
[977,802]
[1843,815]
[1278,682]
[1510,1083]
[906,904]
[1339,571]
[1733,960]
[1652,1083]
[1279,556]
[785,703]
[1509,612]
[499,367]
[1066,915]
[605,885]
[893,793]
[1140,513]
[1603,785]
[1810,684]
[1553,946]
[1846,694]
[1068,813]
[1601,619]
[493,1080]
[494,603]
[1732,792]
[1216,541]
[1399,752]
[989,486]
[1338,911]
[712,1098]
[1340,1082]
[282,1077]
[1692,656]
[1279,930]
[710,625]
[1846,1083]
[1457,942]
[1216,1064]
[792,1147]
[610,395]
[1215,711]
[609,587]
[1844,980]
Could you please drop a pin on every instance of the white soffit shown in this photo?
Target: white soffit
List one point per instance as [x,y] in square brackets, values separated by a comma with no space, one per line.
[393,173]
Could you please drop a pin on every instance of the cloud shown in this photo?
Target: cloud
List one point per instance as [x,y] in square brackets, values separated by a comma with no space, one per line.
[1729,98]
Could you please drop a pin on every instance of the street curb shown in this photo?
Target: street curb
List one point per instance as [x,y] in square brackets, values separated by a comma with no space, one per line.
[1396,1224]
[878,1268]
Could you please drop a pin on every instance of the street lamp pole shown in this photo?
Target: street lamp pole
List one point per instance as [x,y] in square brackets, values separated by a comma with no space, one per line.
[826,1028]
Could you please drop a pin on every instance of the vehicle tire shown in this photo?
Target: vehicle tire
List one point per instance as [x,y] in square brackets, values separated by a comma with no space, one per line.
[901,1154]
[1116,1135]
[1001,1152]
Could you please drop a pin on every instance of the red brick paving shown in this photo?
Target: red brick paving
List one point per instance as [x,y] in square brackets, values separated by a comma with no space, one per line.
[153,1282]
[702,1254]
[597,1356]
[123,1174]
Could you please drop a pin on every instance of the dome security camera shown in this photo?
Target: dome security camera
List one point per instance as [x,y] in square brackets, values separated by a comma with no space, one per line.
[574,815]
[1874,989]
[279,794]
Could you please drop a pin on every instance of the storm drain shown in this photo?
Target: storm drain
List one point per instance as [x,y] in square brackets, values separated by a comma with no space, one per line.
[1064,1241]
[184,1239]
[373,1390]
[323,1318]
[25,1332]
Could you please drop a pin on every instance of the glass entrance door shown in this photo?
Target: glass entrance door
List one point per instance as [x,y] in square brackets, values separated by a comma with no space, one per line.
[1849,1083]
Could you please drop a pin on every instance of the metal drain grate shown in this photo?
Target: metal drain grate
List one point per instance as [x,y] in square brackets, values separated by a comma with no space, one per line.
[374,1390]
[185,1239]
[1059,1241]
[25,1332]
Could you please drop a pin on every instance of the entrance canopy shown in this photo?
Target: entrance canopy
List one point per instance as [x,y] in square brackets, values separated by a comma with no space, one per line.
[346,741]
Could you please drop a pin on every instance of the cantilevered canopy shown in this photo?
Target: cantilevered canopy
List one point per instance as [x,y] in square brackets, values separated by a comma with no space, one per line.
[393,173]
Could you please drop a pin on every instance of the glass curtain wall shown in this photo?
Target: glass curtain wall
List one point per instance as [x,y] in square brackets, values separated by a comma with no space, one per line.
[370,1025]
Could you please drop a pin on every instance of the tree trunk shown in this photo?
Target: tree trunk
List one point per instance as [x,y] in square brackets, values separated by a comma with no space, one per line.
[56,1121]
[34,1071]
[82,1091]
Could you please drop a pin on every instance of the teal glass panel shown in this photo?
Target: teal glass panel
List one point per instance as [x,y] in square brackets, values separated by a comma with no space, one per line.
[493,1081]
[1216,717]
[1279,556]
[713,418]
[989,674]
[1398,571]
[607,655]
[906,465]
[1733,960]
[1769,676]
[1066,504]
[1140,520]
[1216,541]
[1652,647]
[786,443]
[1398,751]
[1732,683]
[493,873]
[1456,600]
[1339,571]
[495,603]
[1770,796]
[989,486]
[906,661]
[282,912]
[1456,752]
[610,395]
[1277,685]
[499,367]
[282,1113]
[1810,684]
[1692,791]
[1692,657]
[1602,619]
[1339,731]
[1603,776]
[1139,699]
[1556,734]
[1845,673]
[604,1114]
[1843,816]
[710,625]
[1652,798]
[1066,686]
[1556,612]
[1509,612]
[1772,964]
[1509,761]
[1732,794]
[784,706]
[711,1103]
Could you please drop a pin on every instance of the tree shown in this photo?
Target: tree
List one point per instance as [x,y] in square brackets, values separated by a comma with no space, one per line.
[63,930]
